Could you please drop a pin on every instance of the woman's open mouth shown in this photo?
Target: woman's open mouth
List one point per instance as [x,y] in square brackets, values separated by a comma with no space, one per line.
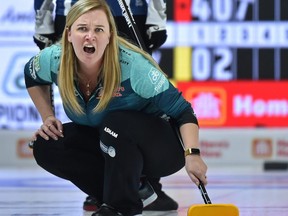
[89,49]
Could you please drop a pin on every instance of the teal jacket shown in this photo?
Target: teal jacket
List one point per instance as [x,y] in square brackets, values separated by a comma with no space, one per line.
[143,88]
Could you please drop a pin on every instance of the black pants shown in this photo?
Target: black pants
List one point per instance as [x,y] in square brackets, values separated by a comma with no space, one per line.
[132,144]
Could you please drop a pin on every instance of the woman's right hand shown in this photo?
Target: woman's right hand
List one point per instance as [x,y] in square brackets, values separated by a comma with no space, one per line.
[51,127]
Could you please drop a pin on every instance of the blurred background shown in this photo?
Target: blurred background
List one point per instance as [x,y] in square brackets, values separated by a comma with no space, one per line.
[228,57]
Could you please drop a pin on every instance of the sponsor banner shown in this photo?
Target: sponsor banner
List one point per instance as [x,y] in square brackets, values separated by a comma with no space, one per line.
[226,146]
[243,146]
[17,110]
[22,114]
[16,23]
[238,103]
[14,148]
[17,19]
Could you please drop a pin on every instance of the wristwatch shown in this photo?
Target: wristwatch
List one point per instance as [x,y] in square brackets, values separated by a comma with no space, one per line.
[192,151]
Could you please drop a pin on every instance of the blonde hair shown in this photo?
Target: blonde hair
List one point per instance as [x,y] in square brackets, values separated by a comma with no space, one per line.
[111,71]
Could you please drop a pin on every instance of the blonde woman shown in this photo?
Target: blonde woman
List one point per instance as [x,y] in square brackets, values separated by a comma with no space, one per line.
[121,107]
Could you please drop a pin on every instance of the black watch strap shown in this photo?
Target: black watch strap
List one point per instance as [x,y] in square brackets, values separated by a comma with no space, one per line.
[192,151]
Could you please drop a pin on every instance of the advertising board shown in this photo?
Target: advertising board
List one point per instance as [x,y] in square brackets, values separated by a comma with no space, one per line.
[238,103]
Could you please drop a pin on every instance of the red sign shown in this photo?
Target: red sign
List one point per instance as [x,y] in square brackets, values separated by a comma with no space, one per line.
[23,151]
[238,103]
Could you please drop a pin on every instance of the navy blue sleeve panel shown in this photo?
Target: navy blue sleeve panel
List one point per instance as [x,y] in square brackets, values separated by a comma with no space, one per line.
[31,78]
[63,6]
[173,104]
[38,4]
[29,82]
[188,116]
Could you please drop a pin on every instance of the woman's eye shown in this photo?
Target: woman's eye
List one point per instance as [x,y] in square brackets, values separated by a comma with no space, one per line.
[82,28]
[99,30]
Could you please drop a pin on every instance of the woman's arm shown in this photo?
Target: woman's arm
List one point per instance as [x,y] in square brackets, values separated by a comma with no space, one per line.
[194,165]
[51,126]
[40,96]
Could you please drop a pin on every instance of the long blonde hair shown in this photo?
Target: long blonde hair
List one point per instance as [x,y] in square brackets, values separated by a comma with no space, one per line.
[111,66]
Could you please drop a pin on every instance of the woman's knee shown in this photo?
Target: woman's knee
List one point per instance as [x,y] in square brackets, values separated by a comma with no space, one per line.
[40,151]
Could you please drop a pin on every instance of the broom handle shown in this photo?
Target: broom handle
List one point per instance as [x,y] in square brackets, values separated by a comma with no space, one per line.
[131,23]
[204,193]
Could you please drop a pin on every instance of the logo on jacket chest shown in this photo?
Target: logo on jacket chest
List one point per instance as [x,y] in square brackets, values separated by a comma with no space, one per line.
[119,91]
[109,131]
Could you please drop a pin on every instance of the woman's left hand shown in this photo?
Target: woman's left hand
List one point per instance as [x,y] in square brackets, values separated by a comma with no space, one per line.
[196,169]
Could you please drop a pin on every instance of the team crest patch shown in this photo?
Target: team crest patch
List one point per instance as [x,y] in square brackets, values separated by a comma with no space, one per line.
[36,62]
[154,75]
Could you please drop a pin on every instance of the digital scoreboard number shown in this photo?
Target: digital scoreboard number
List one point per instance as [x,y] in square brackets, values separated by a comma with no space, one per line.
[226,40]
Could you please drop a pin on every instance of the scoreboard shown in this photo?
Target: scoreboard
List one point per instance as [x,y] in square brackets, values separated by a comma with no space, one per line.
[224,40]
